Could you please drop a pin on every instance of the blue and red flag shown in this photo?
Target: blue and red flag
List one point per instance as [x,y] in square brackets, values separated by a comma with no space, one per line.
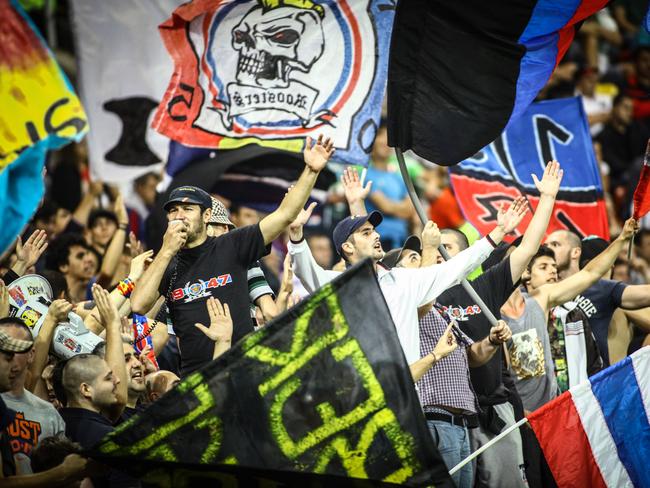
[460,72]
[501,171]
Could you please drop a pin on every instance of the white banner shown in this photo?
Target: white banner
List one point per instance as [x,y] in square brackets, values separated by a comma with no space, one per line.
[123,71]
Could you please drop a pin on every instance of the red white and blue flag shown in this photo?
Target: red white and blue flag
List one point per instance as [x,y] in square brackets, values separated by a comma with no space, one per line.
[597,434]
[274,72]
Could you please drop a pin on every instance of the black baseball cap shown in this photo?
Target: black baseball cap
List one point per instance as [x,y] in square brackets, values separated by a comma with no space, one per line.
[346,227]
[592,246]
[189,194]
[392,257]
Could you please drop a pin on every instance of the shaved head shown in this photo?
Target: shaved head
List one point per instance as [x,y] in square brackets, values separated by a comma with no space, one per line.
[567,247]
[159,383]
[83,368]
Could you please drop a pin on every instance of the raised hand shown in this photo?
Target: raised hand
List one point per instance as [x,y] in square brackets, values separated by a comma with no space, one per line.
[59,310]
[295,227]
[353,189]
[120,210]
[446,344]
[107,309]
[4,300]
[551,179]
[220,329]
[508,220]
[431,235]
[135,246]
[30,252]
[316,155]
[630,228]
[138,265]
[500,333]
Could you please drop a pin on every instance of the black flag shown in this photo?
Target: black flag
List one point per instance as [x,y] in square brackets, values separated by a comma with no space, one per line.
[323,389]
[459,72]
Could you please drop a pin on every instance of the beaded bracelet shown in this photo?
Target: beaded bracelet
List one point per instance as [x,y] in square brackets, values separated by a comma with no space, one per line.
[125,287]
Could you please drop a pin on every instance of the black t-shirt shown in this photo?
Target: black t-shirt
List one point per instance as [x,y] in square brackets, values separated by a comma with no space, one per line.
[217,268]
[88,428]
[494,287]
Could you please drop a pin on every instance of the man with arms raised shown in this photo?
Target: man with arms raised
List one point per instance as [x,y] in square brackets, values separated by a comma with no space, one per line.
[190,267]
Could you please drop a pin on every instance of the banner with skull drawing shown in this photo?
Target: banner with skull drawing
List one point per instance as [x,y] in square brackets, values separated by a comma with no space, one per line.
[272,72]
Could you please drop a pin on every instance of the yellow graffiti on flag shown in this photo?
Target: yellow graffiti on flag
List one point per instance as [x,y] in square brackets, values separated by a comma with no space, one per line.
[36,100]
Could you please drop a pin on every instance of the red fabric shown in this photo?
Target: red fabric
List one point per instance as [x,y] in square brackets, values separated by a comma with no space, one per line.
[565,444]
[642,194]
[639,96]
[445,211]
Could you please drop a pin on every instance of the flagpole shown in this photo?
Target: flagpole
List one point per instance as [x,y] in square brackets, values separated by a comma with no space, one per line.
[423,217]
[487,445]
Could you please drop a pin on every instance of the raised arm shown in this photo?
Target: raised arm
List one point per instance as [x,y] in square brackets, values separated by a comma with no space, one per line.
[116,246]
[548,188]
[636,296]
[355,192]
[30,252]
[558,293]
[310,274]
[56,313]
[114,350]
[445,346]
[316,157]
[481,352]
[429,282]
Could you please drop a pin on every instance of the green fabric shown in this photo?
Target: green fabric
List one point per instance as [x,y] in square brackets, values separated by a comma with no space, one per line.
[558,352]
[472,236]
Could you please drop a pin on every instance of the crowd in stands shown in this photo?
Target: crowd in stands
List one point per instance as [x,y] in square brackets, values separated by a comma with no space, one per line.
[566,306]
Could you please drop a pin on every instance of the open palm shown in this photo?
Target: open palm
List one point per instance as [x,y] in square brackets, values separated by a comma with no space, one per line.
[551,179]
[509,219]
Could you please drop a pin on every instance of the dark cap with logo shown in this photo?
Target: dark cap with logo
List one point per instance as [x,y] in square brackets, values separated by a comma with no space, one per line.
[412,243]
[346,227]
[189,194]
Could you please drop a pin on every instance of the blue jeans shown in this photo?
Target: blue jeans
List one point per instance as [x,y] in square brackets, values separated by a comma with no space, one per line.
[453,443]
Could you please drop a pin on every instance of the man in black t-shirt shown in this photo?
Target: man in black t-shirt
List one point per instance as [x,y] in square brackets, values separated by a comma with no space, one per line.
[191,267]
[502,464]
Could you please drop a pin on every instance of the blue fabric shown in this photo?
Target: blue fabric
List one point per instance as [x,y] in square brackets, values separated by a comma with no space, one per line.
[541,42]
[453,444]
[619,395]
[391,185]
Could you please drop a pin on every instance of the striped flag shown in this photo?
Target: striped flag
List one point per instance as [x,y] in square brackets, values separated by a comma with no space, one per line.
[597,434]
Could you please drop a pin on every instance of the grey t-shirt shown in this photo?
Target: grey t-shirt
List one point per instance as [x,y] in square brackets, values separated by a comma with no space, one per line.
[530,356]
[35,420]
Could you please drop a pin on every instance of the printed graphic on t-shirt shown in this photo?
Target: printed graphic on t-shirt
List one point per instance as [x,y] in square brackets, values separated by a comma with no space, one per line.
[200,288]
[23,434]
[527,355]
[586,305]
[461,314]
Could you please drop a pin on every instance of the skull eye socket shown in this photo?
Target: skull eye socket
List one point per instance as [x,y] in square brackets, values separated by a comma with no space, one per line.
[240,36]
[287,36]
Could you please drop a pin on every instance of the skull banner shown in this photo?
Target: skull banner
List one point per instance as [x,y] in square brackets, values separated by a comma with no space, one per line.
[272,72]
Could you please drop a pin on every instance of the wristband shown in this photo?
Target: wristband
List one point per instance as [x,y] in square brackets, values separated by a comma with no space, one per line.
[123,226]
[125,287]
[492,243]
[297,242]
[495,344]
[435,358]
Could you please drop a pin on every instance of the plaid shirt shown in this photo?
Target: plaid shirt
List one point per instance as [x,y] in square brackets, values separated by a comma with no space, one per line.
[447,383]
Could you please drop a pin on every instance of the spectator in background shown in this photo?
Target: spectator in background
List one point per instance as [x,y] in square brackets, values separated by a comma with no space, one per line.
[35,419]
[159,383]
[102,225]
[242,216]
[443,208]
[642,245]
[637,84]
[321,248]
[70,255]
[144,194]
[388,193]
[623,141]
[597,105]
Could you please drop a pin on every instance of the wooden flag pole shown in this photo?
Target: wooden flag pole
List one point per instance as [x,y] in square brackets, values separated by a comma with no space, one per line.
[423,217]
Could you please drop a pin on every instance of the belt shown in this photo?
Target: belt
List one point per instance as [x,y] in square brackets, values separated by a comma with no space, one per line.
[469,421]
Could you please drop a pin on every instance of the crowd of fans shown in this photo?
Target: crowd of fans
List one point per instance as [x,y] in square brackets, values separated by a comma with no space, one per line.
[566,306]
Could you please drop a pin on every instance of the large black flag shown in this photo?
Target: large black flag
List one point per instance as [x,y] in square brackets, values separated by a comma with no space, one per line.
[460,71]
[324,388]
